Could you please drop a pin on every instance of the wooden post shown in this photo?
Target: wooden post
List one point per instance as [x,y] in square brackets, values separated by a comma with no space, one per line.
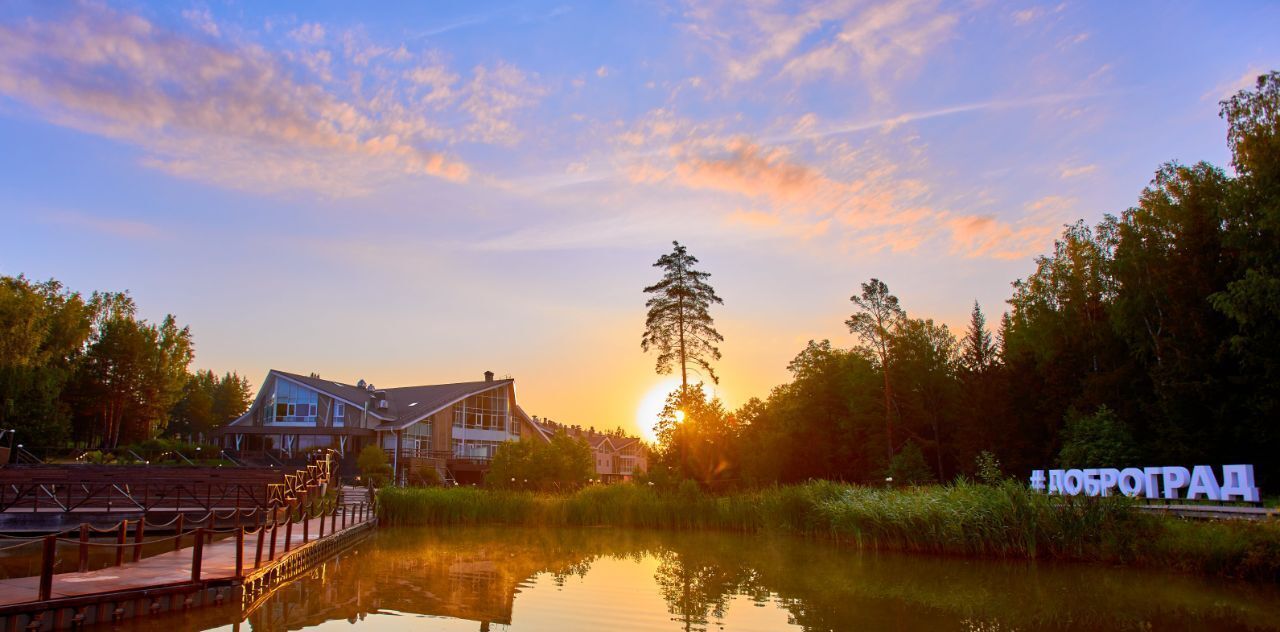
[197,555]
[84,547]
[333,518]
[344,516]
[177,528]
[288,531]
[46,567]
[122,536]
[262,535]
[139,532]
[322,517]
[239,553]
[306,525]
[274,527]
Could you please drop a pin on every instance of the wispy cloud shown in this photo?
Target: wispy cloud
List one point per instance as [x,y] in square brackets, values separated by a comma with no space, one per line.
[1072,171]
[113,226]
[236,114]
[1228,89]
[814,40]
[814,131]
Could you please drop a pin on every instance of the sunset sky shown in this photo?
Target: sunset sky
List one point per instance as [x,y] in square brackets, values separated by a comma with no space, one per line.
[419,194]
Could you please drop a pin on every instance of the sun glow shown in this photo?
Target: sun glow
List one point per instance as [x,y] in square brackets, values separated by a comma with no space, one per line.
[651,407]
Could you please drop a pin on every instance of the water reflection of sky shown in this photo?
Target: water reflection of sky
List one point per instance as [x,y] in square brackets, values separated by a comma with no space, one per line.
[521,580]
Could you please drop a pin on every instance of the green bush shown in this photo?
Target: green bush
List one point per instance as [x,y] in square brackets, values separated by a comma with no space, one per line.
[373,465]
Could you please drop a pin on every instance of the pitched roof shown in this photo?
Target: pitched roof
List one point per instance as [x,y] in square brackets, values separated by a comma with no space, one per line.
[405,404]
[593,438]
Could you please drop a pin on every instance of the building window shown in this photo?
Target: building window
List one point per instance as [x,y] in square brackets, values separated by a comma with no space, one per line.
[293,404]
[339,414]
[479,450]
[484,411]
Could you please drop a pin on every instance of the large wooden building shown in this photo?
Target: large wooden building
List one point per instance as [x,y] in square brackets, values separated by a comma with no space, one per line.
[451,428]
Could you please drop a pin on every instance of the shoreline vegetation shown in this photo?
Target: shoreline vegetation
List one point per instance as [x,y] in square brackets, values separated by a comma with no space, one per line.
[964,519]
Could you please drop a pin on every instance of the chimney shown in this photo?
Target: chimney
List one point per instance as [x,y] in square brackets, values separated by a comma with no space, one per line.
[488,376]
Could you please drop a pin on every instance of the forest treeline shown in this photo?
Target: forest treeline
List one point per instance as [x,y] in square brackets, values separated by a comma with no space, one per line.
[1150,338]
[86,371]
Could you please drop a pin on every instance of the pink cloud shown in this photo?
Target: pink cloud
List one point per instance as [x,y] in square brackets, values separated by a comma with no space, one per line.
[226,113]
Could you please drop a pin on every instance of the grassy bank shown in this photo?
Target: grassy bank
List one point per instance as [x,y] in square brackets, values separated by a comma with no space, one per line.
[958,519]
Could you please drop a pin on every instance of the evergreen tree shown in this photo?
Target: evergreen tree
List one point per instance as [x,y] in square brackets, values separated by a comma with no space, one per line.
[978,350]
[679,324]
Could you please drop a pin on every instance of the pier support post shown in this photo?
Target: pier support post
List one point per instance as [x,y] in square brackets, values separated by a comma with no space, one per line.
[262,535]
[177,529]
[84,547]
[46,567]
[122,536]
[197,555]
[239,553]
[274,528]
[139,532]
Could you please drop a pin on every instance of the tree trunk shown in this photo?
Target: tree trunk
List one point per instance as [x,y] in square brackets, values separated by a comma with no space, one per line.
[684,370]
[888,405]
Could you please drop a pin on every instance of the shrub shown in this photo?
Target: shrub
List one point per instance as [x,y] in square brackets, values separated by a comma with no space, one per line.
[373,465]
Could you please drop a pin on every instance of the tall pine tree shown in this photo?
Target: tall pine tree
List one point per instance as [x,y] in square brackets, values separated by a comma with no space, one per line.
[679,324]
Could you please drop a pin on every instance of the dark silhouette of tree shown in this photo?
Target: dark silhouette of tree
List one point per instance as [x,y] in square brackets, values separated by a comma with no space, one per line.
[977,348]
[878,314]
[679,324]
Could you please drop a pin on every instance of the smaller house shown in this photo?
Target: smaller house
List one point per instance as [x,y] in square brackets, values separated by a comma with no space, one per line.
[617,457]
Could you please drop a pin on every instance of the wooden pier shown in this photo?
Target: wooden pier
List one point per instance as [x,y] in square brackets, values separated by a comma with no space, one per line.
[244,565]
[238,556]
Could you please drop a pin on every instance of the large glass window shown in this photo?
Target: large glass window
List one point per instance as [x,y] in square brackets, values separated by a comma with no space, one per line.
[485,411]
[294,404]
[480,450]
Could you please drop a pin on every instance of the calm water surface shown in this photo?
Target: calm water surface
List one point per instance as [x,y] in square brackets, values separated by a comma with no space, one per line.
[619,580]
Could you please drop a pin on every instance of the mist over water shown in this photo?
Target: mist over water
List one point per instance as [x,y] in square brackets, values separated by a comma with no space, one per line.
[623,580]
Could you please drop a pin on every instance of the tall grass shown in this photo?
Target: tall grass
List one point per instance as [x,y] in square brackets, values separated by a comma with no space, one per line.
[957,519]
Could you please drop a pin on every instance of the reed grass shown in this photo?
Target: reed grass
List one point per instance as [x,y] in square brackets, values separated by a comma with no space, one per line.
[958,519]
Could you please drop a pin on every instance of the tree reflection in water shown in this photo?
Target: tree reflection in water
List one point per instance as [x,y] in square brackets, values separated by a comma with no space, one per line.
[709,580]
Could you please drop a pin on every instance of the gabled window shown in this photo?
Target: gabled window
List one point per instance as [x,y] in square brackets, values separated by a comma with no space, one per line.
[484,411]
[293,404]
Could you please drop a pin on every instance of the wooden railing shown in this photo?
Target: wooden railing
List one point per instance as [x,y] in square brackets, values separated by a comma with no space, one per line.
[110,488]
[333,514]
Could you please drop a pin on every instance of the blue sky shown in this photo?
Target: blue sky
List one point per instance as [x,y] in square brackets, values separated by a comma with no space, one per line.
[419,193]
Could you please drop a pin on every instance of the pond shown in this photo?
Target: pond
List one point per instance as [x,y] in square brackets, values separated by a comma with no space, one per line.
[621,580]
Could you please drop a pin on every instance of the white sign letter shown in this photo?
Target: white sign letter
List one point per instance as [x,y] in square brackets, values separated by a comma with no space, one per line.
[1204,482]
[1174,478]
[1237,480]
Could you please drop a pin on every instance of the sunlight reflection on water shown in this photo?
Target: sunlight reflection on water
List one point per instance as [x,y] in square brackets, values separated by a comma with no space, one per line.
[622,580]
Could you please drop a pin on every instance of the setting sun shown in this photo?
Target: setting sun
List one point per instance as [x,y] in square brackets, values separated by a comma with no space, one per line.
[651,407]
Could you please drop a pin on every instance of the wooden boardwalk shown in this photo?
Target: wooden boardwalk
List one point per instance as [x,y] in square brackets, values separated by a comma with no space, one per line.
[218,562]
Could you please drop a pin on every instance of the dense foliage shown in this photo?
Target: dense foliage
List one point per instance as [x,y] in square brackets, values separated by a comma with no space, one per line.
[89,371]
[1152,338]
[562,463]
[1005,520]
[373,465]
